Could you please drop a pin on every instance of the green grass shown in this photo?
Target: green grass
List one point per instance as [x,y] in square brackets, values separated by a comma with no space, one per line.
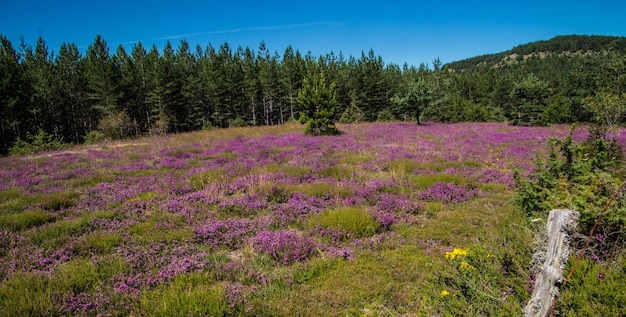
[31,294]
[187,295]
[355,220]
[150,230]
[594,289]
[203,179]
[25,220]
[426,180]
[102,243]
[28,295]
[57,233]
[55,201]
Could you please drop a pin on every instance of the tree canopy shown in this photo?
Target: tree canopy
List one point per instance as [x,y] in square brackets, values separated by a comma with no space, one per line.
[69,93]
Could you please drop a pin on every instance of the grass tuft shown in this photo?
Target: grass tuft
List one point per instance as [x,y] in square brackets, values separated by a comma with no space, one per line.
[353,219]
[25,220]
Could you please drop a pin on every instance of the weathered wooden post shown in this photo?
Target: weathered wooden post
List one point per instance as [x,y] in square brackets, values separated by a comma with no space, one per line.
[550,259]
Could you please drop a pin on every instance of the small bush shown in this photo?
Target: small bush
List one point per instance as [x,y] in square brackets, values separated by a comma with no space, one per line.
[95,137]
[207,126]
[117,126]
[40,142]
[352,114]
[385,116]
[237,123]
[447,193]
[285,247]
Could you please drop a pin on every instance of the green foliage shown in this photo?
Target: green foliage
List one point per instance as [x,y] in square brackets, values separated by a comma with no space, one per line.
[95,137]
[318,100]
[161,126]
[594,290]
[28,295]
[558,111]
[67,94]
[321,126]
[577,176]
[237,123]
[385,116]
[207,126]
[608,109]
[416,99]
[57,233]
[352,114]
[205,178]
[530,97]
[39,142]
[102,243]
[117,126]
[31,294]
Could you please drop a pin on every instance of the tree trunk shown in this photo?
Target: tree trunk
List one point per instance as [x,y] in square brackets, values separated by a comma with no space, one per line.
[551,260]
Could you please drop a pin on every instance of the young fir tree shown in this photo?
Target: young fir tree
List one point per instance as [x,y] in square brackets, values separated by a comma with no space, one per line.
[318,100]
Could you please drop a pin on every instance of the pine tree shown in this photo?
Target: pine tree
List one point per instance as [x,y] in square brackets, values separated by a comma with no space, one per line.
[11,91]
[318,100]
[101,77]
[530,96]
[415,100]
[71,93]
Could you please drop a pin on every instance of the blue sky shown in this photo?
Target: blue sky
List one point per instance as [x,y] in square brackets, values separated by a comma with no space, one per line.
[400,31]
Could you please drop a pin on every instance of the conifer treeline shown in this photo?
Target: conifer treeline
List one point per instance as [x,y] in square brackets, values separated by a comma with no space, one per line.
[68,94]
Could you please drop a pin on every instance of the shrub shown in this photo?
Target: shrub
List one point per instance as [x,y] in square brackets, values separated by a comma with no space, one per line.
[229,232]
[117,126]
[583,177]
[237,123]
[385,116]
[40,142]
[352,114]
[95,137]
[285,247]
[447,193]
[161,126]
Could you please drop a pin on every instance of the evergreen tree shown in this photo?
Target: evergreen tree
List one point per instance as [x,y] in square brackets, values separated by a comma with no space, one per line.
[292,73]
[71,93]
[530,96]
[416,99]
[101,78]
[251,85]
[11,83]
[318,99]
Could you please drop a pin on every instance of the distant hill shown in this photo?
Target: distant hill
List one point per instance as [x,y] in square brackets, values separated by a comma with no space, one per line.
[568,46]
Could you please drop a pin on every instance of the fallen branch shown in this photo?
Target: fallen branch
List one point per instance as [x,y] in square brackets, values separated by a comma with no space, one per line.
[551,259]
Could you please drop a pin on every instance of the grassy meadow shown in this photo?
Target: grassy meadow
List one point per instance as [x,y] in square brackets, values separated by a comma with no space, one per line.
[386,219]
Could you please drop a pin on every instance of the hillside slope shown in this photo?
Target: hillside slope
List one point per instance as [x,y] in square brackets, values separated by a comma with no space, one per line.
[567,46]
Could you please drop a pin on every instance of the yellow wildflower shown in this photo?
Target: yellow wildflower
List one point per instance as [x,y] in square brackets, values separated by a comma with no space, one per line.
[466,266]
[444,293]
[455,253]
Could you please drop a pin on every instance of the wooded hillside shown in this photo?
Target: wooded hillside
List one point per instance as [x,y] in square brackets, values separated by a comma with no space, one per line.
[68,94]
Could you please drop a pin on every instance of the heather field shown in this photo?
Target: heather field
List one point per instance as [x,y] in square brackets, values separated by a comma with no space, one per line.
[386,219]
